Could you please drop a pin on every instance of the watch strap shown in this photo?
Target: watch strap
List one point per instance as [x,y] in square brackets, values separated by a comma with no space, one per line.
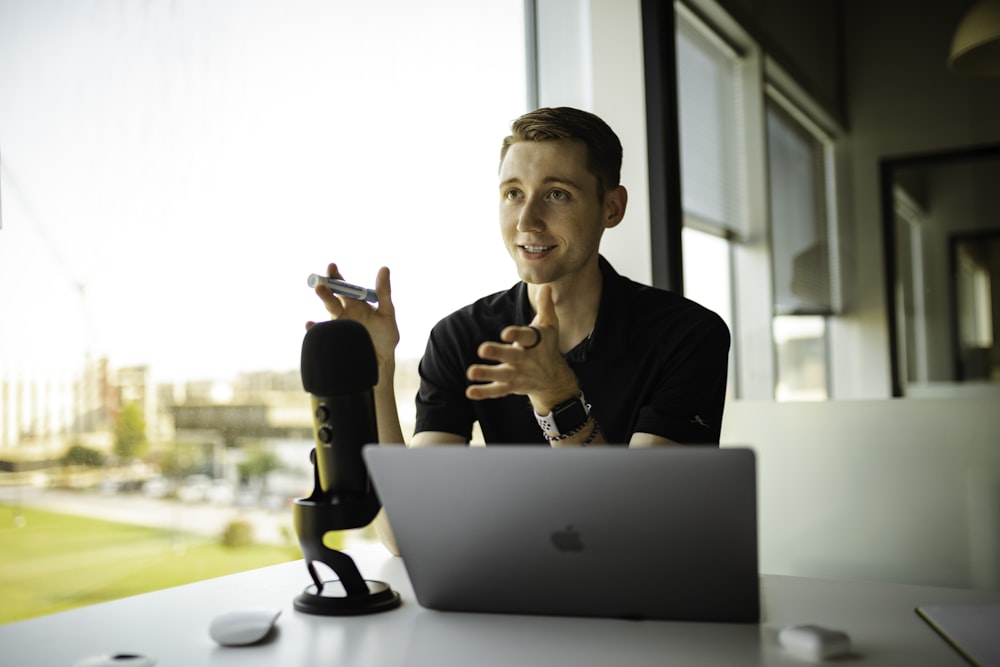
[565,419]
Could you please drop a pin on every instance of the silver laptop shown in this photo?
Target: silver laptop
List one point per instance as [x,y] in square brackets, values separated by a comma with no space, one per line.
[657,533]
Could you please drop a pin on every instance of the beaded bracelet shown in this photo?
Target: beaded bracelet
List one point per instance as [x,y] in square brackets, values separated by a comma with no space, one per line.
[593,434]
[590,438]
[563,436]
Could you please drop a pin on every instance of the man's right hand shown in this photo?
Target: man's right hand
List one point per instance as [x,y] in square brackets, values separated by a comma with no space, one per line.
[380,320]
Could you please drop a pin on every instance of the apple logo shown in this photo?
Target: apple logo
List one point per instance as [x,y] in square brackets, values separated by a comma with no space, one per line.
[567,540]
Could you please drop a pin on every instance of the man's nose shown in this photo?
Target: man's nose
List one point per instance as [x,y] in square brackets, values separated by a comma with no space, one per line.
[529,218]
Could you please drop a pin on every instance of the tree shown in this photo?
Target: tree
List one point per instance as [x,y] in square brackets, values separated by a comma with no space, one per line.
[259,462]
[130,432]
[79,455]
[183,459]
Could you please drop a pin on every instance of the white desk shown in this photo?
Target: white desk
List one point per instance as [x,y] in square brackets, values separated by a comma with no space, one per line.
[172,627]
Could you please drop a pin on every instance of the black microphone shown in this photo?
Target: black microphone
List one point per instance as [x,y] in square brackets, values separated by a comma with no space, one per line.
[340,371]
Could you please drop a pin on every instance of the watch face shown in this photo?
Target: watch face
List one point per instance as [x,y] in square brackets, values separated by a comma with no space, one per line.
[570,415]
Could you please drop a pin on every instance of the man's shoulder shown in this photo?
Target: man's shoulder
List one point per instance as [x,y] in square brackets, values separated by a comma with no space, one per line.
[651,308]
[654,300]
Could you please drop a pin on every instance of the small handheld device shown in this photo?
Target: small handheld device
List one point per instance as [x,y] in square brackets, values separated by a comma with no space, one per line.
[344,289]
[814,642]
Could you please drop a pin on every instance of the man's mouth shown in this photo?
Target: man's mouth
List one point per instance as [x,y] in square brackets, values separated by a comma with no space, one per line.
[536,249]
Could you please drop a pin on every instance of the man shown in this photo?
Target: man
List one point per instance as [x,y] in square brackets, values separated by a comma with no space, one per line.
[574,354]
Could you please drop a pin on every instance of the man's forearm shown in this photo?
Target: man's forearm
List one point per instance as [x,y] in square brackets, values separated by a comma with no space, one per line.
[384,532]
[386,413]
[390,432]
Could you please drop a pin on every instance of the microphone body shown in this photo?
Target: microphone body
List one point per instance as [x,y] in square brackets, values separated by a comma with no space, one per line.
[340,371]
[342,426]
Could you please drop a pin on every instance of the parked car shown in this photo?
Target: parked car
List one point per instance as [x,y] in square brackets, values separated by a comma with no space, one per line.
[157,487]
[194,488]
[220,492]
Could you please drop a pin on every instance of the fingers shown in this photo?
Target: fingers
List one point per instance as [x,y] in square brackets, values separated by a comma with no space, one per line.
[517,368]
[331,301]
[519,339]
[339,305]
[383,289]
[545,324]
[525,338]
[526,360]
[378,319]
[494,373]
[546,315]
[334,305]
[478,392]
[538,338]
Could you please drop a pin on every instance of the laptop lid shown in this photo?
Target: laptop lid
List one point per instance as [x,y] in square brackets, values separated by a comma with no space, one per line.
[658,533]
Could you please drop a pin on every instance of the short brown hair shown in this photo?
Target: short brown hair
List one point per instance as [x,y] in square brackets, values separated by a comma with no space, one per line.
[604,149]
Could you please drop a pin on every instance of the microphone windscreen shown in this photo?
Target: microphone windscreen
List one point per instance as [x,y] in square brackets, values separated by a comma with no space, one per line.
[338,358]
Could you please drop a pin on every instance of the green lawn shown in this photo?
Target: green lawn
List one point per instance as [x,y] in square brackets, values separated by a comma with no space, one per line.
[53,562]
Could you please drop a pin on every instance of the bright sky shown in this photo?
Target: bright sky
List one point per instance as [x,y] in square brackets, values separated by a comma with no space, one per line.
[172,170]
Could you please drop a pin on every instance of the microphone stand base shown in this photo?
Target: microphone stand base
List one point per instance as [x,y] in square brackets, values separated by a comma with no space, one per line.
[332,599]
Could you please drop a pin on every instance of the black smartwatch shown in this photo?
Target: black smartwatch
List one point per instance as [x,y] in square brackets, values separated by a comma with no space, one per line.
[565,419]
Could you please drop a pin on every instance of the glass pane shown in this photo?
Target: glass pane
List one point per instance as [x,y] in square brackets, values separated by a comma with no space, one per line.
[707,91]
[977,267]
[910,296]
[707,271]
[800,350]
[171,173]
[798,219]
[708,280]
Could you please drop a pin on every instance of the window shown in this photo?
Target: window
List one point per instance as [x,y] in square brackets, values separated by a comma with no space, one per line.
[170,174]
[709,128]
[759,240]
[802,249]
[911,293]
[800,241]
[710,132]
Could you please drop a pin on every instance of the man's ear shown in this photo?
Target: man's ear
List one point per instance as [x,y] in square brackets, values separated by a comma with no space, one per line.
[615,201]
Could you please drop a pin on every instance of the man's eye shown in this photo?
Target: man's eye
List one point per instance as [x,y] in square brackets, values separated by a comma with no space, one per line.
[511,194]
[558,195]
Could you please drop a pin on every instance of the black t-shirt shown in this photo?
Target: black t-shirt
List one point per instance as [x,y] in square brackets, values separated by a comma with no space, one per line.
[655,363]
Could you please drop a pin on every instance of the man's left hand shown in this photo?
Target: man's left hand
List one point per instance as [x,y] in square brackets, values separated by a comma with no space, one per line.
[527,361]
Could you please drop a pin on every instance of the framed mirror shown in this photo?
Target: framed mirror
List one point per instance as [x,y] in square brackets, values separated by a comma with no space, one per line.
[941,225]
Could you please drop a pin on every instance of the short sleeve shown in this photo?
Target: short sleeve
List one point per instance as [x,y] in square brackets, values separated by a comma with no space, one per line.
[689,394]
[441,402]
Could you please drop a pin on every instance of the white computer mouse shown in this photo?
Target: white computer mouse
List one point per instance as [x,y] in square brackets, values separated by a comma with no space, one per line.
[243,626]
[814,642]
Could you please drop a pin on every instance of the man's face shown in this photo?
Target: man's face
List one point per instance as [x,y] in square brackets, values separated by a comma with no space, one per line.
[550,216]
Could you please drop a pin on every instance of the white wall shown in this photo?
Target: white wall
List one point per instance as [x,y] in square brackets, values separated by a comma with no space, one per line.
[880,490]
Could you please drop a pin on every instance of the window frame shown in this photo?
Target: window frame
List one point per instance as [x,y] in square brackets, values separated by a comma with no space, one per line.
[761,81]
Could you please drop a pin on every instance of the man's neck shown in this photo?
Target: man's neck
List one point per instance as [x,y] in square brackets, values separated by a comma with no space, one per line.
[577,300]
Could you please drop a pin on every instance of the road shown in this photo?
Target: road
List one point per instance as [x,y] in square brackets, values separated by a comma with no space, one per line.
[201,518]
